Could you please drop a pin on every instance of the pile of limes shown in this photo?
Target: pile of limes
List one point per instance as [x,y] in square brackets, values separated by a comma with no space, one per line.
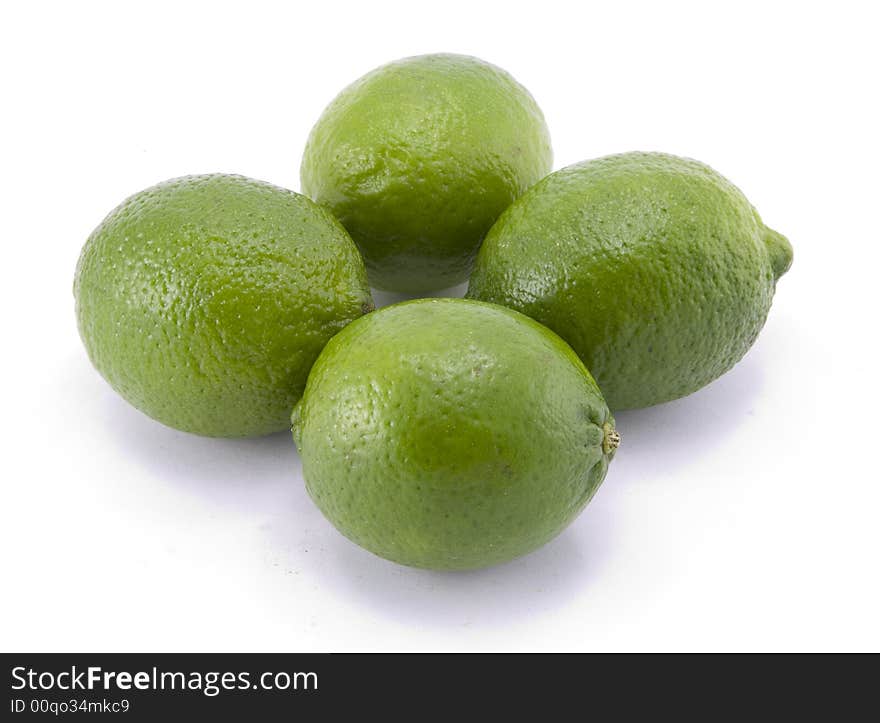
[440,433]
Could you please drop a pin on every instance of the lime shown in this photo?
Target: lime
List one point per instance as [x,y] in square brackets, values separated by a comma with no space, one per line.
[418,158]
[451,434]
[655,269]
[205,300]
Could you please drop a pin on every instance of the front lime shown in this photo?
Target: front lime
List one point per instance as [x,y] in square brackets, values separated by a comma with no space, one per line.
[451,434]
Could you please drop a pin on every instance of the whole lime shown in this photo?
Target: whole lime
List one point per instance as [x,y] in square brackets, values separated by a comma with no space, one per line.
[205,300]
[451,434]
[418,158]
[655,269]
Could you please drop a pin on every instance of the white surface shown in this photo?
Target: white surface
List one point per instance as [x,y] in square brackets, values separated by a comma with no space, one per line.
[743,517]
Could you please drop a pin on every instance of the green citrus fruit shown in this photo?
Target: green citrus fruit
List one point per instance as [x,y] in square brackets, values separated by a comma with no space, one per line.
[418,158]
[205,300]
[655,269]
[451,434]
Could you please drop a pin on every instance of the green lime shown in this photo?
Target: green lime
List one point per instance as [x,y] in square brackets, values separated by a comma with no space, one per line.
[205,300]
[451,434]
[418,158]
[655,269]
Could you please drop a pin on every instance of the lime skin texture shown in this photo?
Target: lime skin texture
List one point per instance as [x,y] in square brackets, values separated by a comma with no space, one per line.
[655,269]
[451,434]
[418,158]
[205,300]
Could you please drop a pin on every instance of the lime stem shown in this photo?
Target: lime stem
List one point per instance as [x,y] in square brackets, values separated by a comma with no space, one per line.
[611,440]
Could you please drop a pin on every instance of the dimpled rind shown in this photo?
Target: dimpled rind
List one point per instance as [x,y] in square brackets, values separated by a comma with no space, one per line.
[205,300]
[450,434]
[419,157]
[655,269]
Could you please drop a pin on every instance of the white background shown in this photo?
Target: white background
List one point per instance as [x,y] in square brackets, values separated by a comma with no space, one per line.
[744,517]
